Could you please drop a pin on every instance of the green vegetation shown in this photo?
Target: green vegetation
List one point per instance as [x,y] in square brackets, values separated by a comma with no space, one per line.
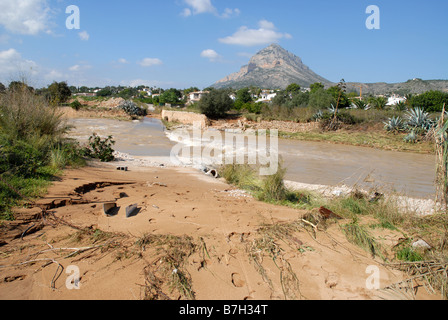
[32,146]
[215,104]
[430,101]
[360,217]
[76,105]
[56,93]
[360,236]
[132,109]
[101,149]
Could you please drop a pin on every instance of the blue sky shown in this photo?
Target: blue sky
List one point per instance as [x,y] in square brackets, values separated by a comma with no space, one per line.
[183,43]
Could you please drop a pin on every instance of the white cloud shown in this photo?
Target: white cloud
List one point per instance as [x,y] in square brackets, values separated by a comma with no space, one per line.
[81,66]
[229,13]
[123,61]
[12,63]
[206,6]
[75,68]
[200,6]
[28,17]
[266,34]
[84,36]
[264,24]
[210,54]
[148,62]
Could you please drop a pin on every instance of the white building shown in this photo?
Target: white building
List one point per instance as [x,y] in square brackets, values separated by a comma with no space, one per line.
[394,100]
[196,96]
[266,97]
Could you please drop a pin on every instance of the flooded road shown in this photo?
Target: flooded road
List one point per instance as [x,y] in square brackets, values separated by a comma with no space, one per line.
[306,162]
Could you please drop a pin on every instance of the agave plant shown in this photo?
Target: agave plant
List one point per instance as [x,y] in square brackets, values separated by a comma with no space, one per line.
[418,119]
[333,109]
[394,124]
[411,137]
[318,115]
[132,109]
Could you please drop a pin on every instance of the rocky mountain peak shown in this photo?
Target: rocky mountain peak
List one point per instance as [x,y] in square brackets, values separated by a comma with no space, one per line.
[273,67]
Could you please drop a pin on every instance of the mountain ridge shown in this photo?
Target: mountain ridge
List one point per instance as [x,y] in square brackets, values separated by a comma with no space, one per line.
[273,67]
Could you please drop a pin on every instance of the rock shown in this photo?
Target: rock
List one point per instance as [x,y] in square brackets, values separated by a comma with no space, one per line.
[328,214]
[375,197]
[421,244]
[337,193]
[131,210]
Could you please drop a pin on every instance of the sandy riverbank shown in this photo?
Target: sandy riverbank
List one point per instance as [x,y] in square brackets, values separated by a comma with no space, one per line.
[406,203]
[225,236]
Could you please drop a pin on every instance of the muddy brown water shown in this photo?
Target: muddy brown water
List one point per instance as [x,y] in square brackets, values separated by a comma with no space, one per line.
[306,162]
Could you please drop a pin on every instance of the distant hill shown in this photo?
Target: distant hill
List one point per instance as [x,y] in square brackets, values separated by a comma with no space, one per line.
[273,68]
[415,86]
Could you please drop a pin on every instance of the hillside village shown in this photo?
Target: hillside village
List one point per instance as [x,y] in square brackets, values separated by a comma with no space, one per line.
[190,96]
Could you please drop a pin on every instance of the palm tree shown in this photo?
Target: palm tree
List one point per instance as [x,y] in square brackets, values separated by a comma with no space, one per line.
[361,104]
[379,103]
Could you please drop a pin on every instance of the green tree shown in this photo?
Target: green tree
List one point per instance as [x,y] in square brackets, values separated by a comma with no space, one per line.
[300,99]
[190,90]
[73,89]
[106,92]
[244,95]
[19,85]
[2,88]
[128,93]
[339,97]
[172,96]
[430,101]
[320,99]
[215,104]
[293,88]
[58,92]
[316,87]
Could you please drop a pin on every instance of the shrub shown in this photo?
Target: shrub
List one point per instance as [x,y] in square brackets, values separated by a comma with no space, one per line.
[100,148]
[32,148]
[132,109]
[24,115]
[76,105]
[20,158]
[327,120]
[215,104]
[430,101]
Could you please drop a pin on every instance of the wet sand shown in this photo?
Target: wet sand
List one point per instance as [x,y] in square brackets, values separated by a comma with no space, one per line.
[232,233]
